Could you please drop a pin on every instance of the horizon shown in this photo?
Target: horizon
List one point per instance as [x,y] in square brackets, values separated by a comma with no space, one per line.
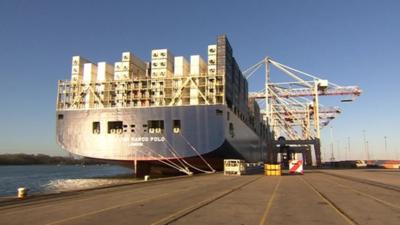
[352,45]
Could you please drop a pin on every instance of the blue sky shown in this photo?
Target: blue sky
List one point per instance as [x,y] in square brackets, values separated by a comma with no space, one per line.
[349,42]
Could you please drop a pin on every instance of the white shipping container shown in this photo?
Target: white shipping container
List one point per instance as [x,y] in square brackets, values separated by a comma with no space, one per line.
[212,49]
[197,65]
[212,60]
[212,69]
[76,77]
[105,72]
[161,73]
[194,92]
[162,64]
[122,75]
[79,60]
[126,66]
[89,72]
[181,66]
[118,67]
[126,57]
[194,96]
[161,54]
[77,69]
[129,66]
[129,57]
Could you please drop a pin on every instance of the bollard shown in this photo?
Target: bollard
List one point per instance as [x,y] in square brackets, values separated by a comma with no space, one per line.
[22,192]
[146,178]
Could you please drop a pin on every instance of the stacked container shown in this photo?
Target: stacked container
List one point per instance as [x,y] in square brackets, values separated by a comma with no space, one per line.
[198,67]
[211,73]
[131,67]
[212,60]
[254,113]
[89,76]
[235,83]
[181,67]
[162,63]
[89,73]
[77,68]
[162,67]
[105,74]
[181,71]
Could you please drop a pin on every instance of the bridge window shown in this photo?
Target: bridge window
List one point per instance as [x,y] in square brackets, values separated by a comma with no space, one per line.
[96,127]
[219,112]
[115,127]
[60,116]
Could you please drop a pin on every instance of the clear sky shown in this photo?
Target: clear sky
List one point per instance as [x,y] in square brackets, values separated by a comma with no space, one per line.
[349,42]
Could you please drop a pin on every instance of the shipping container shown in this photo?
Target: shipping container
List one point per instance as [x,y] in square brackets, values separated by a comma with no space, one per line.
[89,72]
[181,66]
[162,64]
[77,68]
[79,60]
[162,54]
[105,72]
[122,75]
[212,50]
[212,70]
[132,59]
[197,65]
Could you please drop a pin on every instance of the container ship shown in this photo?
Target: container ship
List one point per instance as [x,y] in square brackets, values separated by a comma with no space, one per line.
[163,115]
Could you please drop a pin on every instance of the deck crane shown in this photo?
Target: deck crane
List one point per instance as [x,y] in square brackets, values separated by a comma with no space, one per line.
[293,110]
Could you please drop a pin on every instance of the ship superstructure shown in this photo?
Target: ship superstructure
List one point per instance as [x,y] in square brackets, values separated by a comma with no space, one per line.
[166,110]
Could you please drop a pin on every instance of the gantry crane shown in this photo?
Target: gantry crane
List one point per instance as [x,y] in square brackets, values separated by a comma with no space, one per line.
[293,110]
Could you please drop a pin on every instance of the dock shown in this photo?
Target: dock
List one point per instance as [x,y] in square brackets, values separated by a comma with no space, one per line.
[367,196]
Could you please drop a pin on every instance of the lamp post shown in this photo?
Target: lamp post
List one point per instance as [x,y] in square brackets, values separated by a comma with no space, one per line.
[348,145]
[385,146]
[332,155]
[365,144]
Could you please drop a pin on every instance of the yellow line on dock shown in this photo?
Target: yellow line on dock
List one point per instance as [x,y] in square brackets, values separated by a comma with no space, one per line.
[269,204]
[344,216]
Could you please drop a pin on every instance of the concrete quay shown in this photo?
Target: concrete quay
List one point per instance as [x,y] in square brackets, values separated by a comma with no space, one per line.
[317,197]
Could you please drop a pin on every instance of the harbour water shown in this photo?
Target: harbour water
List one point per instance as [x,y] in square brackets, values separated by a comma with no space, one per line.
[57,178]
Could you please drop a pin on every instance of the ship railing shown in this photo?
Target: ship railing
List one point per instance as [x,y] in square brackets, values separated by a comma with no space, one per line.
[117,94]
